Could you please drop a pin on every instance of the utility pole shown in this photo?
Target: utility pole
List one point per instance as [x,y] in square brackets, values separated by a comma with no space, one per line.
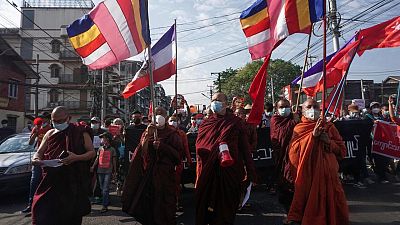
[334,24]
[219,81]
[103,97]
[362,90]
[36,111]
[272,90]
[211,91]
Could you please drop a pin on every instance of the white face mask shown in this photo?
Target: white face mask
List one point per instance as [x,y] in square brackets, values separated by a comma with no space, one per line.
[95,126]
[160,121]
[354,114]
[284,112]
[312,114]
[375,110]
[61,126]
[173,123]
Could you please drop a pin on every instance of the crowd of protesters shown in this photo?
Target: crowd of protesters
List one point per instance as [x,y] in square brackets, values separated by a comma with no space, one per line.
[143,161]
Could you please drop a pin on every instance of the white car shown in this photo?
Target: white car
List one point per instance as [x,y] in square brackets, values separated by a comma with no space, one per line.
[15,163]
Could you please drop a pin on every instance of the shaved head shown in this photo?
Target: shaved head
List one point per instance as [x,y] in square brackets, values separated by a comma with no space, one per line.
[219,96]
[283,103]
[310,103]
[161,111]
[59,114]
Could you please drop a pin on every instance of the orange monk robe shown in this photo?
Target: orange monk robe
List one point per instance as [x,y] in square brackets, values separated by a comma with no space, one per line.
[319,198]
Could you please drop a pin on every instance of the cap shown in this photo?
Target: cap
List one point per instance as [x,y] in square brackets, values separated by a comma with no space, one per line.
[374,103]
[106,135]
[38,121]
[353,108]
[248,106]
[95,118]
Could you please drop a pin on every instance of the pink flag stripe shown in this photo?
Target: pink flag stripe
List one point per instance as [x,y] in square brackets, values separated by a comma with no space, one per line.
[110,31]
[119,18]
[104,61]
[127,9]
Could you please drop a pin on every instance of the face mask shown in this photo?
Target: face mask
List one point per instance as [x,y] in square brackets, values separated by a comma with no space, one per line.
[284,112]
[95,126]
[312,114]
[60,126]
[173,123]
[375,110]
[160,121]
[268,113]
[4,125]
[145,123]
[216,106]
[137,121]
[198,122]
[385,113]
[44,125]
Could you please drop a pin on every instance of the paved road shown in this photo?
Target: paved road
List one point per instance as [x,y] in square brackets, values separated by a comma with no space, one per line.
[379,204]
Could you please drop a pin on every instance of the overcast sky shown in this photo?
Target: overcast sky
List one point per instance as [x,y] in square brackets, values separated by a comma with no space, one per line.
[213,37]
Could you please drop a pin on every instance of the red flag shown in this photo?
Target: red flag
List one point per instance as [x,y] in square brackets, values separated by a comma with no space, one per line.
[336,101]
[257,93]
[336,68]
[383,35]
[150,109]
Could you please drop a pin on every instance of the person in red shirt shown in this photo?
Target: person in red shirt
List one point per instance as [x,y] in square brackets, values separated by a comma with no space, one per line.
[41,126]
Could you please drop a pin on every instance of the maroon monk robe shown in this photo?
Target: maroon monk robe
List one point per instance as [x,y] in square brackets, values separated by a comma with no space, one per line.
[218,189]
[62,195]
[150,187]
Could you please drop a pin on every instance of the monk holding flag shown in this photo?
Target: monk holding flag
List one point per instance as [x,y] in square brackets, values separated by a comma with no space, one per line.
[223,153]
[314,152]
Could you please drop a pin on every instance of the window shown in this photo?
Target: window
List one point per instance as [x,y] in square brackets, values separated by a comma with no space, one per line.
[28,19]
[12,122]
[55,70]
[55,46]
[53,95]
[13,89]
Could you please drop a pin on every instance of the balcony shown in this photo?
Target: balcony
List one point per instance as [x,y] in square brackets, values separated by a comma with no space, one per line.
[71,104]
[69,55]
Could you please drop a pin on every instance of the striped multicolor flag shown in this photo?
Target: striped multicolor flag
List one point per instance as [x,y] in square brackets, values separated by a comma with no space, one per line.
[268,22]
[163,64]
[113,31]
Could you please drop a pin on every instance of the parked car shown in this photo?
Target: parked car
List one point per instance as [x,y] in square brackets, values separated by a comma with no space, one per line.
[15,163]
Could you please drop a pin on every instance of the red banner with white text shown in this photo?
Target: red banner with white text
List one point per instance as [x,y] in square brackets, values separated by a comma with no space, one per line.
[386,140]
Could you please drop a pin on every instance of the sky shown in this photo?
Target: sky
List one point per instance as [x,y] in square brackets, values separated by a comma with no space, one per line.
[209,29]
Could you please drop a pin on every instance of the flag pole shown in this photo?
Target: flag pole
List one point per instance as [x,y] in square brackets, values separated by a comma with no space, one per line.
[176,71]
[303,71]
[152,89]
[324,63]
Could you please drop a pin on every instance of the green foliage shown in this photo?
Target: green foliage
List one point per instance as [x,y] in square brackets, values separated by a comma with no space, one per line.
[236,82]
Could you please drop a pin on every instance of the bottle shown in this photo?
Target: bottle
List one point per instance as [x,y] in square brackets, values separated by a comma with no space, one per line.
[225,157]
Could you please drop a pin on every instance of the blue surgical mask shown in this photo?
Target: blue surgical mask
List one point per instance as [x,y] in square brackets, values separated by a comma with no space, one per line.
[44,125]
[284,112]
[216,106]
[60,126]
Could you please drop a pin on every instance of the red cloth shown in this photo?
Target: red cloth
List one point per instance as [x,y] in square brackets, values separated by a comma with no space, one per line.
[336,102]
[336,68]
[319,197]
[257,93]
[41,131]
[150,187]
[219,187]
[62,195]
[383,35]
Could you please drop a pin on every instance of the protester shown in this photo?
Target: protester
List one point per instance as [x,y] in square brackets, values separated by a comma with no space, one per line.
[106,168]
[282,124]
[107,123]
[28,127]
[5,131]
[40,129]
[193,125]
[354,112]
[150,187]
[146,121]
[392,110]
[62,195]
[385,113]
[172,121]
[132,137]
[250,128]
[314,150]
[224,161]
[381,163]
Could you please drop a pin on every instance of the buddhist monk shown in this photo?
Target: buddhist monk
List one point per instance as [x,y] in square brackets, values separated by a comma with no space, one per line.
[251,129]
[314,152]
[62,195]
[282,124]
[149,192]
[223,154]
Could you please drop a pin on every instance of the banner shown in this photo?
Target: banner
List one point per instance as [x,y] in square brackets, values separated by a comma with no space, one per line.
[386,140]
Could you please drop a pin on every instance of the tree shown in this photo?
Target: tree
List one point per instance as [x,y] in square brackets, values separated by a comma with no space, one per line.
[237,82]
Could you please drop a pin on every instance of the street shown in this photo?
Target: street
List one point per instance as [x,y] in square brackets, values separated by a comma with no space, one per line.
[379,204]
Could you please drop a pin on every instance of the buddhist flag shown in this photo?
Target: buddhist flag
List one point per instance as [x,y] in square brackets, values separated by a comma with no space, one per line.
[383,35]
[267,23]
[113,31]
[163,64]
